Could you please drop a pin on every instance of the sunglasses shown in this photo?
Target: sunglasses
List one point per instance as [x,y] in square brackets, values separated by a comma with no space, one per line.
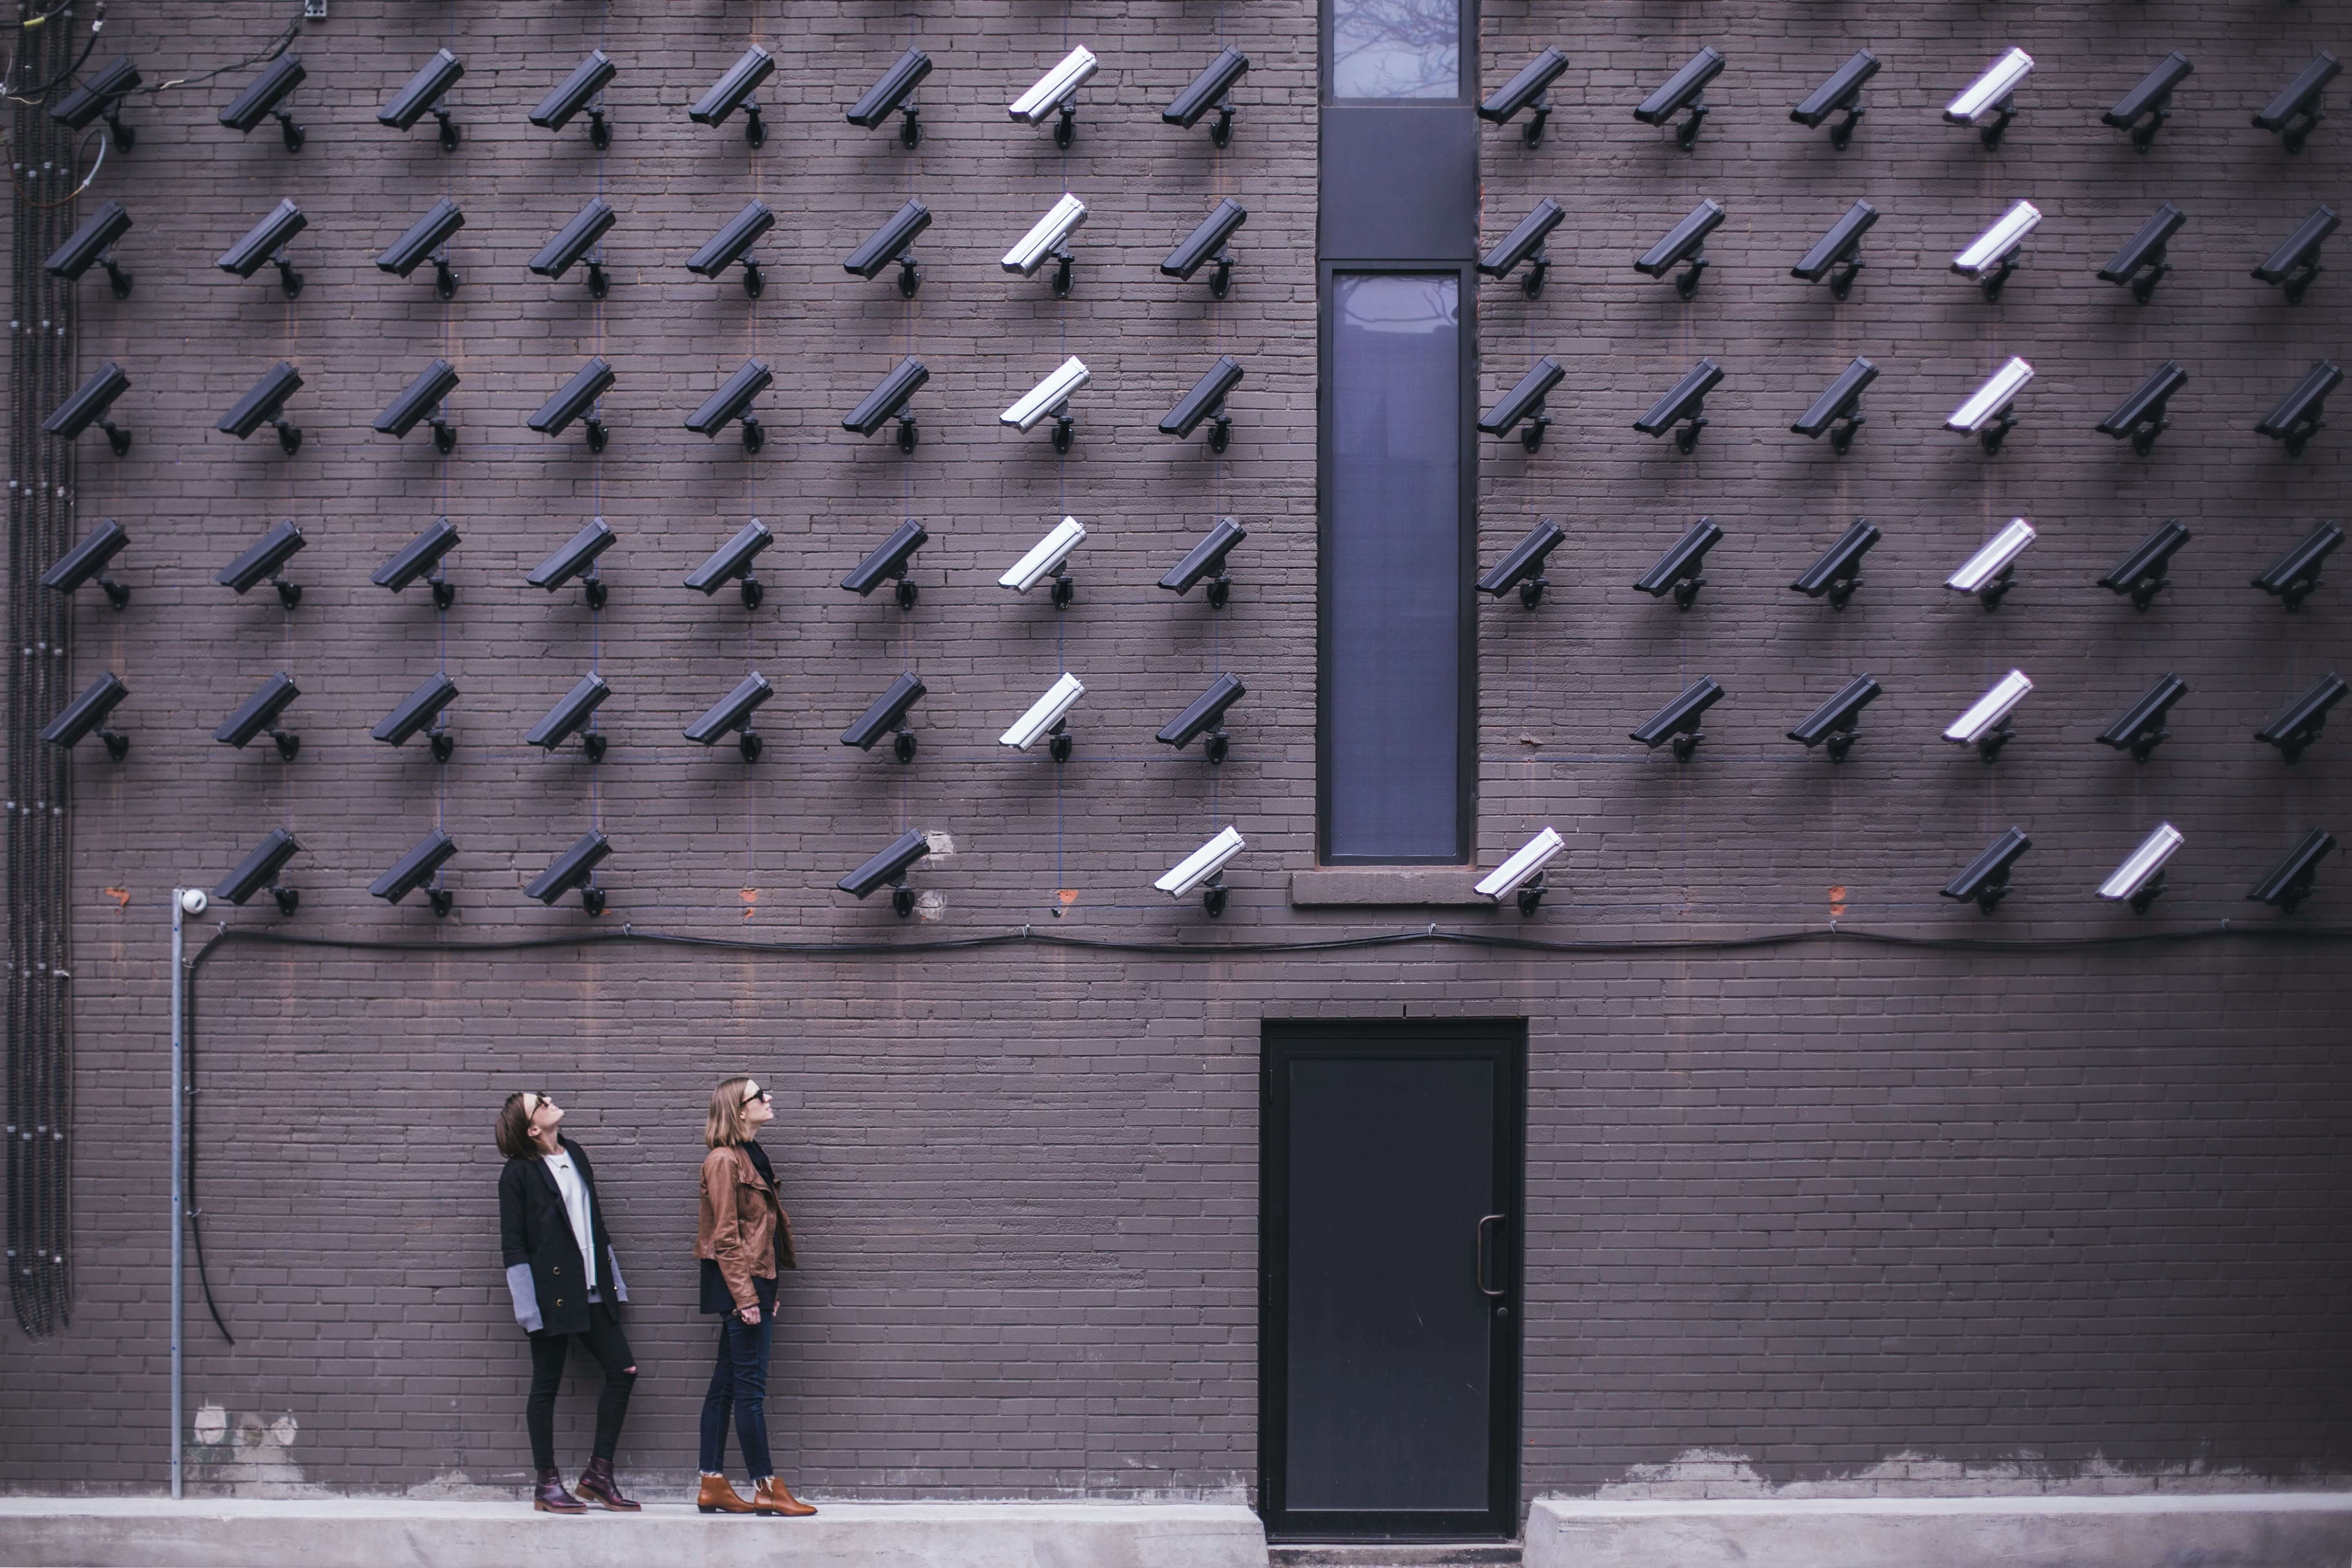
[531,1102]
[756,1093]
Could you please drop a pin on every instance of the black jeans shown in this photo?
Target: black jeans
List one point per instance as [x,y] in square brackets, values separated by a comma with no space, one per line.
[739,1382]
[603,1341]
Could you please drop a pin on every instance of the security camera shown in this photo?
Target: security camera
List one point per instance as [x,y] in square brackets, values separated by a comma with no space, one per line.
[731,715]
[1203,869]
[1525,242]
[1045,559]
[265,402]
[1839,405]
[428,237]
[2293,575]
[1682,246]
[1530,89]
[1205,715]
[1985,413]
[888,401]
[1679,568]
[2143,573]
[1990,572]
[2140,878]
[1051,396]
[2295,112]
[418,556]
[573,241]
[264,97]
[1206,401]
[888,716]
[1522,873]
[2296,419]
[576,397]
[1048,239]
[1049,715]
[1991,257]
[1052,93]
[2143,111]
[92,244]
[732,244]
[259,714]
[1838,248]
[421,865]
[100,98]
[570,716]
[194,900]
[86,714]
[264,562]
[888,869]
[1524,404]
[2289,882]
[265,244]
[577,558]
[86,563]
[888,97]
[2142,415]
[731,562]
[889,562]
[2140,264]
[418,710]
[1984,724]
[1984,882]
[733,91]
[732,402]
[1678,720]
[2299,722]
[1685,405]
[1523,567]
[2141,728]
[1840,94]
[584,89]
[89,407]
[1212,88]
[1838,572]
[1211,239]
[422,401]
[575,867]
[2295,263]
[1681,92]
[258,872]
[1988,103]
[1207,559]
[1835,723]
[893,242]
[424,93]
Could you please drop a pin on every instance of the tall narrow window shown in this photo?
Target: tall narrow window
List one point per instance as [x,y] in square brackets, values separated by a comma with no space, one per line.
[1396,49]
[1394,601]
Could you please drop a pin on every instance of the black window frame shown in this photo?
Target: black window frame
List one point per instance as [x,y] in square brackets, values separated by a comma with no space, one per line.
[1466,60]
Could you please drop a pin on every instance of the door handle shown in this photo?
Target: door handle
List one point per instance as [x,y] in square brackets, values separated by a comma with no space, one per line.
[1480,1268]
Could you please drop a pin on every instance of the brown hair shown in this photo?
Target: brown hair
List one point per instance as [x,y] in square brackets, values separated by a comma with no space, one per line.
[724,1128]
[512,1130]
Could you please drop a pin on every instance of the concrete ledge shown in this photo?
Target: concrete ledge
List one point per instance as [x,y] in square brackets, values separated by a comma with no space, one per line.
[2247,1530]
[1435,886]
[120,1533]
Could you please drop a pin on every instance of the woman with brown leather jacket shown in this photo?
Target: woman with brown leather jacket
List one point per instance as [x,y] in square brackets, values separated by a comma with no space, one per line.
[742,1240]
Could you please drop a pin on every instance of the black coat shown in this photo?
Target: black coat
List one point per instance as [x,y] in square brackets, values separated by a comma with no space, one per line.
[545,1272]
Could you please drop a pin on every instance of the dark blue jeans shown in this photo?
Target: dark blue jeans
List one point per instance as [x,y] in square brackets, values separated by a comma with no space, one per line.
[739,1382]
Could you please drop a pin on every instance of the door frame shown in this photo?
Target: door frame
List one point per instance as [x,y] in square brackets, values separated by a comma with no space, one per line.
[1503,1042]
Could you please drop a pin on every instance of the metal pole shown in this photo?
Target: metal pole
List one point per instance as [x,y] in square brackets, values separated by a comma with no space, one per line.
[179,1174]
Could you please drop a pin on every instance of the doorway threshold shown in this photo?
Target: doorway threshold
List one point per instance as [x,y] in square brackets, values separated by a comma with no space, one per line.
[1394,1554]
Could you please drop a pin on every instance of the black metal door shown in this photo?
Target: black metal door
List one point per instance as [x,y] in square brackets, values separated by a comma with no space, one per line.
[1389,1327]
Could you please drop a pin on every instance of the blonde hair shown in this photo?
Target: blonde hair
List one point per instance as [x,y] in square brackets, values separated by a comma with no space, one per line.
[512,1129]
[725,1126]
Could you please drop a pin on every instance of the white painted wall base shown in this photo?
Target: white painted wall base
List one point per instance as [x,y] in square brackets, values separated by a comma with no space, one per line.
[2246,1530]
[156,1532]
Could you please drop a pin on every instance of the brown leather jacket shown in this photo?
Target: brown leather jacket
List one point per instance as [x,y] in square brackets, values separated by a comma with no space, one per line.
[743,1228]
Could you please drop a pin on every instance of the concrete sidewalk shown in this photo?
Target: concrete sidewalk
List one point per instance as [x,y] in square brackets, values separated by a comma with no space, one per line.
[156,1533]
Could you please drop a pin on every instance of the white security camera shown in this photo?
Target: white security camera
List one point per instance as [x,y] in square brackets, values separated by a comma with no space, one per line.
[1523,872]
[1987,573]
[194,901]
[1047,396]
[1985,725]
[1045,557]
[1985,103]
[1991,257]
[2141,876]
[1202,870]
[1053,90]
[1046,236]
[1985,414]
[1046,715]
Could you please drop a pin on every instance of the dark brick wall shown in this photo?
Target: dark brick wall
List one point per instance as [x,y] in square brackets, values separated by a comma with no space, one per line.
[1834,1206]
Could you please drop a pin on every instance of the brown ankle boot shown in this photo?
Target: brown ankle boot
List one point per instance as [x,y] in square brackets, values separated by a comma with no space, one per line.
[772,1497]
[551,1497]
[598,1486]
[718,1496]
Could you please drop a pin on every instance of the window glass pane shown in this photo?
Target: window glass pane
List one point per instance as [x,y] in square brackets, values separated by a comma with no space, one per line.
[1392,570]
[1396,49]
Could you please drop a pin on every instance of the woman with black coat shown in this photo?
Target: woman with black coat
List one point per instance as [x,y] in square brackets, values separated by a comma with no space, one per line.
[564,1279]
